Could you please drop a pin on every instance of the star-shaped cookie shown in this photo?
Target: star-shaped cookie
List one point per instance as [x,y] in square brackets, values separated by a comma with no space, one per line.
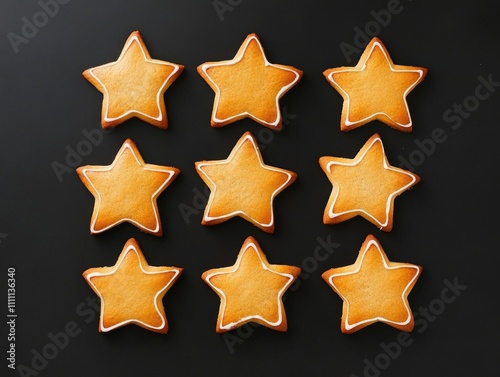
[374,289]
[131,291]
[248,86]
[366,185]
[126,190]
[134,85]
[242,185]
[251,290]
[375,89]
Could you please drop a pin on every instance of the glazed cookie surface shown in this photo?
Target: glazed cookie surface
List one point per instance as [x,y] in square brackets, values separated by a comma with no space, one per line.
[366,186]
[251,290]
[374,289]
[248,86]
[132,291]
[375,89]
[242,185]
[134,85]
[127,191]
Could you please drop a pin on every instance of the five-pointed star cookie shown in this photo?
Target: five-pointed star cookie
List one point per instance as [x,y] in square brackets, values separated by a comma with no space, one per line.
[126,190]
[374,289]
[366,185]
[375,89]
[248,86]
[131,291]
[133,86]
[242,185]
[251,290]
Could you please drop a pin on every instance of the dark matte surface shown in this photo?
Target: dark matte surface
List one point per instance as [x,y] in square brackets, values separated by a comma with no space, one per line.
[446,223]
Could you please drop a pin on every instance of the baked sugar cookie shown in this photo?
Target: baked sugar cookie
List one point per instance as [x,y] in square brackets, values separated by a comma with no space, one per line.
[375,89]
[374,289]
[134,85]
[126,191]
[251,290]
[242,185]
[366,186]
[132,291]
[248,86]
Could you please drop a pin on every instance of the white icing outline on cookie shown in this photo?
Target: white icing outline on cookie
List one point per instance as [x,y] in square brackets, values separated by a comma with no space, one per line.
[387,267]
[236,60]
[127,146]
[134,38]
[235,268]
[228,160]
[89,277]
[387,166]
[348,123]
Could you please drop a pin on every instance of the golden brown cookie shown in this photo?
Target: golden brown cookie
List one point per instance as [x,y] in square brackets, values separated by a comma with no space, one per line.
[374,289]
[375,89]
[251,290]
[248,86]
[132,291]
[242,185]
[134,85]
[126,190]
[366,185]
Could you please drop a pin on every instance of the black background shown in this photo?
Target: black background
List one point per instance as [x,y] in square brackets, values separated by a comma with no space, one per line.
[447,223]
